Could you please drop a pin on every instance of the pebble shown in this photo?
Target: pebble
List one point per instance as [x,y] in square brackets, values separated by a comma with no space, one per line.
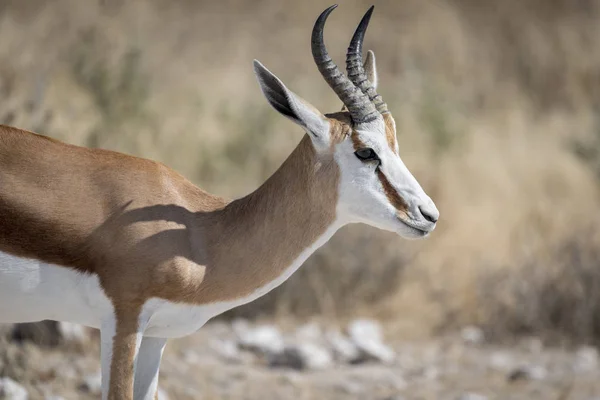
[266,339]
[501,361]
[11,390]
[528,372]
[301,356]
[343,348]
[227,349]
[314,356]
[72,332]
[366,335]
[92,383]
[472,335]
[586,359]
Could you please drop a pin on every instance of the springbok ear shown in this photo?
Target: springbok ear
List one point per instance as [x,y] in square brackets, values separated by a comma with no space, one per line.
[291,105]
[370,70]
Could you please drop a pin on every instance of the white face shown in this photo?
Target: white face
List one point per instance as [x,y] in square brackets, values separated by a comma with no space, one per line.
[376,188]
[379,191]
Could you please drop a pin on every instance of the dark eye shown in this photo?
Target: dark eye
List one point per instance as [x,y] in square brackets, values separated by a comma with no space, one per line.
[366,154]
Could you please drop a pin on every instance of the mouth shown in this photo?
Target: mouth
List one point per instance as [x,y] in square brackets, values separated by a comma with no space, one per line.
[418,231]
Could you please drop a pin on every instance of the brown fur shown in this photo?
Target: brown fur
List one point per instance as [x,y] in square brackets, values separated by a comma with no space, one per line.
[119,216]
[341,126]
[390,131]
[146,231]
[124,350]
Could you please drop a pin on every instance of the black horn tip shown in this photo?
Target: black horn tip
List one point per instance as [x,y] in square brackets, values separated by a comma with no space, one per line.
[359,33]
[317,33]
[327,11]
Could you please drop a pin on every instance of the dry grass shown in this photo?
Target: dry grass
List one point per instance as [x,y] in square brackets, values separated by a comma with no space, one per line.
[556,295]
[495,101]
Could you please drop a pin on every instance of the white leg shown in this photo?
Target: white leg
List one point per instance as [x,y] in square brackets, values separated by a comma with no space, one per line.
[145,382]
[107,333]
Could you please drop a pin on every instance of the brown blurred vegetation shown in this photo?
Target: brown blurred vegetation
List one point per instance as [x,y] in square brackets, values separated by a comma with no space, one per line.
[497,104]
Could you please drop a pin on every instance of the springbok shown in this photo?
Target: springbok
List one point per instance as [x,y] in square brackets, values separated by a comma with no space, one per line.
[131,247]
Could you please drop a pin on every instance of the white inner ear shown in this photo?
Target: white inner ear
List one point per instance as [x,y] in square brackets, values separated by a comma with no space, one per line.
[291,105]
[310,118]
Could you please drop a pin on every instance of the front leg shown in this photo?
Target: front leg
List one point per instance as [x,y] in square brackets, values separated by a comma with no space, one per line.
[145,385]
[121,337]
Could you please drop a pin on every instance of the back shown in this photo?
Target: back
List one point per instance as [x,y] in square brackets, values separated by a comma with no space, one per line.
[53,195]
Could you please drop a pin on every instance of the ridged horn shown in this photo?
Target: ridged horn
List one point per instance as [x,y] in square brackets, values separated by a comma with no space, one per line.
[354,64]
[360,107]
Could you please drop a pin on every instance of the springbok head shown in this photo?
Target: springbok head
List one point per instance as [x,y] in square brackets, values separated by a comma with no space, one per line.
[375,188]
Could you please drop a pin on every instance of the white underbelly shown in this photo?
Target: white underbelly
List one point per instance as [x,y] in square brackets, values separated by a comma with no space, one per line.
[31,290]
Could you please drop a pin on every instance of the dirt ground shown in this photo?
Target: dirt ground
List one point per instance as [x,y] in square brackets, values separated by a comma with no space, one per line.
[454,367]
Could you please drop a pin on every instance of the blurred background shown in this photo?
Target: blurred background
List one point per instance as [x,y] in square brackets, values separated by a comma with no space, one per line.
[497,104]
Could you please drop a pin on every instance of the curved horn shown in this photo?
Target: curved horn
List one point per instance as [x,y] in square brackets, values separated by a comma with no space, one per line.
[354,64]
[360,107]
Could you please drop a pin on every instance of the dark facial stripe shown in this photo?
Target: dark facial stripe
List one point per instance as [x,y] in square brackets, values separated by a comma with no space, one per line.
[392,194]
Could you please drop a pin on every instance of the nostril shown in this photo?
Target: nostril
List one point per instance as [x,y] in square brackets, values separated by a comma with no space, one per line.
[429,216]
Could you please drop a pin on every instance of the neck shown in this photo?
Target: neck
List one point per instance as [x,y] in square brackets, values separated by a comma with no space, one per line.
[257,241]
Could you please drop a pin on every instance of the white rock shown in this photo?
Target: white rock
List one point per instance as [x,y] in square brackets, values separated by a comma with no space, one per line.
[266,339]
[586,359]
[472,396]
[472,335]
[92,383]
[366,335]
[314,356]
[72,332]
[365,329]
[538,372]
[501,361]
[344,349]
[303,355]
[227,349]
[11,390]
